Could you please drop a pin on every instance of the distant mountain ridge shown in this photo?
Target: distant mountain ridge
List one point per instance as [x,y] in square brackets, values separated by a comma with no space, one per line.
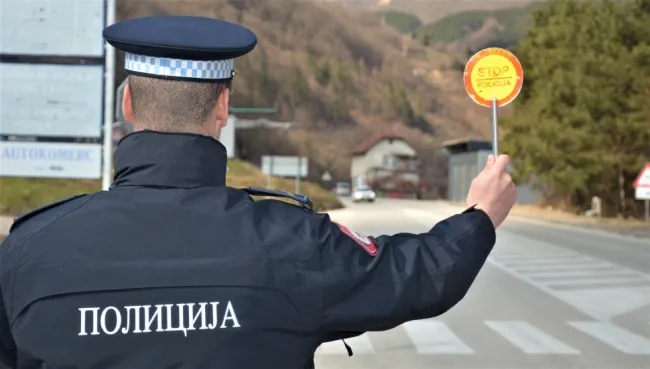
[466,30]
[429,11]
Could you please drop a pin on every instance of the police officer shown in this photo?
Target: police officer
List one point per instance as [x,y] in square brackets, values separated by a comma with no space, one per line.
[172,268]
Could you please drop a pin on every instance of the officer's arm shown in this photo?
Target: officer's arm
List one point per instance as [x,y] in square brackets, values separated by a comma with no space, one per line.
[7,347]
[411,276]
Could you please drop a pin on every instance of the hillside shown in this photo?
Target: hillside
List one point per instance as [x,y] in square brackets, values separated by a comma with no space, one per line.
[468,31]
[340,75]
[478,29]
[403,22]
[429,11]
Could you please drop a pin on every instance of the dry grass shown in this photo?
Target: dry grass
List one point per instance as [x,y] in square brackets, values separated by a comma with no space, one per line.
[622,226]
[547,213]
[18,195]
[249,175]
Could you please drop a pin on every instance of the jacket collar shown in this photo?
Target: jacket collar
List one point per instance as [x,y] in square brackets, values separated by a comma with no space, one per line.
[169,160]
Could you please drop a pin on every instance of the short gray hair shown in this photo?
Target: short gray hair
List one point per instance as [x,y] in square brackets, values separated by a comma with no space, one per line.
[166,104]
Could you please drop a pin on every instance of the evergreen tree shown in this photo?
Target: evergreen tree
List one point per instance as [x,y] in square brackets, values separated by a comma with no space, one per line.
[581,123]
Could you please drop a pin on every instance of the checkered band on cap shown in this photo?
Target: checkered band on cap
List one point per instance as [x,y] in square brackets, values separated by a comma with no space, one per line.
[218,69]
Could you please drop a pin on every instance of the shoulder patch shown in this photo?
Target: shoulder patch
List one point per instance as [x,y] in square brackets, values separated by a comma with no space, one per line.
[303,200]
[363,241]
[22,218]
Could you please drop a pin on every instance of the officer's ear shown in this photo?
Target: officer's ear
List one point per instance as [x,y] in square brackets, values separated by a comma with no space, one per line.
[222,107]
[127,104]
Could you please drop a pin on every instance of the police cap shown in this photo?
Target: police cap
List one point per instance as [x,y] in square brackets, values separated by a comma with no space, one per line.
[180,47]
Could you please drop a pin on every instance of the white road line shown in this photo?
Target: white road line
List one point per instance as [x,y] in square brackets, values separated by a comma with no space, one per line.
[578,274]
[525,253]
[576,262]
[502,251]
[616,337]
[529,339]
[572,290]
[596,281]
[599,306]
[360,345]
[434,337]
[533,257]
[553,268]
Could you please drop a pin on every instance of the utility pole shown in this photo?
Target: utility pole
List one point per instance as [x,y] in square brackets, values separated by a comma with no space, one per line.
[109,95]
[298,174]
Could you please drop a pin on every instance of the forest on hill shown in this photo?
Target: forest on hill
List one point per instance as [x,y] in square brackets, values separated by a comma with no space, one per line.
[340,76]
[470,30]
[429,11]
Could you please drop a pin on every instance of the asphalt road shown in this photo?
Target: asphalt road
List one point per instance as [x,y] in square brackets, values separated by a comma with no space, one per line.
[550,297]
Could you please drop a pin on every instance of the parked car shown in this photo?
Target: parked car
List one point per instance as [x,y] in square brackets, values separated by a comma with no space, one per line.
[363,193]
[342,189]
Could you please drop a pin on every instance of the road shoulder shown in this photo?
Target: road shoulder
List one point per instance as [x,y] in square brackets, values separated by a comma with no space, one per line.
[635,229]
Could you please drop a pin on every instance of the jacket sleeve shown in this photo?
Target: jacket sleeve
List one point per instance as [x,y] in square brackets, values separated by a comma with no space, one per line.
[7,347]
[376,284]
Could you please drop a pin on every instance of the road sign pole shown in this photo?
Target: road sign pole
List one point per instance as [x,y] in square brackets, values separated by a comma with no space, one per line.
[109,93]
[495,138]
[642,188]
[298,175]
[270,176]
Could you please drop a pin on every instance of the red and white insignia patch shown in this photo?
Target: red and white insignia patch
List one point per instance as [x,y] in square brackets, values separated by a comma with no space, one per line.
[362,240]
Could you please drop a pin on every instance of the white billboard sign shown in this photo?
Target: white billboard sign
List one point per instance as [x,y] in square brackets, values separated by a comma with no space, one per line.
[52,27]
[51,100]
[285,166]
[50,160]
[227,137]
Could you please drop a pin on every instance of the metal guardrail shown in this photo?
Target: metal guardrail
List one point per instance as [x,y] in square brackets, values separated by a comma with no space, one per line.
[262,123]
[252,110]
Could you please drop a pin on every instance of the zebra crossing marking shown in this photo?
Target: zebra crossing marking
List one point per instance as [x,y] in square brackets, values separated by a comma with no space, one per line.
[593,281]
[535,254]
[530,339]
[432,337]
[544,260]
[610,291]
[561,268]
[542,276]
[616,337]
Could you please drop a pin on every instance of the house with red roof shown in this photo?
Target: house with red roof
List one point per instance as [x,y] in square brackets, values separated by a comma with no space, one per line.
[387,163]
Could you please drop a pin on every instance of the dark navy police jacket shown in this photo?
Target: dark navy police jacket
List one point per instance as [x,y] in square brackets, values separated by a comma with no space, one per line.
[171,268]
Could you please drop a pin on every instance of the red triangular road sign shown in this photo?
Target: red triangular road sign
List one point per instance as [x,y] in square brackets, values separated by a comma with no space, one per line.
[643,179]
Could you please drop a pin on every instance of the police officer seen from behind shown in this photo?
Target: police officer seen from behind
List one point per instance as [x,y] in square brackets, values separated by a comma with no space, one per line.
[172,269]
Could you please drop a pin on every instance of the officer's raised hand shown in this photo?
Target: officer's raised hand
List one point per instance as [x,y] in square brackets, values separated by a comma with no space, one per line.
[493,190]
